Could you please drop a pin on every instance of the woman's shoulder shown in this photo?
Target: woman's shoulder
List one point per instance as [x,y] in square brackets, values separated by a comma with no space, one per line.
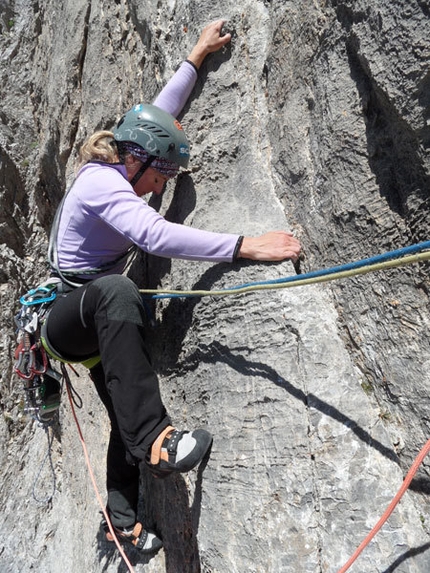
[98,176]
[102,169]
[99,183]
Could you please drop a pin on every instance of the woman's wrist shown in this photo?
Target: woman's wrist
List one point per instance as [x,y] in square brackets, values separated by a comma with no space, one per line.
[247,248]
[196,57]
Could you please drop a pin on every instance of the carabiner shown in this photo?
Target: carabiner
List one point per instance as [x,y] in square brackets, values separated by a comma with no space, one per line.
[38,295]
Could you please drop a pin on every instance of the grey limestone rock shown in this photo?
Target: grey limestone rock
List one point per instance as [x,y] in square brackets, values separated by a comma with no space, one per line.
[314,119]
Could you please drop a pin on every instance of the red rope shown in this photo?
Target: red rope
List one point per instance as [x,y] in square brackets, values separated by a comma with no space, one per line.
[93,479]
[411,473]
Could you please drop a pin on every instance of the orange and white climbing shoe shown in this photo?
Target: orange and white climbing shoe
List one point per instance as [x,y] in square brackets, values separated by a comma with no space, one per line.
[143,540]
[178,451]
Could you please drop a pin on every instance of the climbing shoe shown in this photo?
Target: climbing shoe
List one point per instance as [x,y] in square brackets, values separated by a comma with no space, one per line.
[143,540]
[50,397]
[177,451]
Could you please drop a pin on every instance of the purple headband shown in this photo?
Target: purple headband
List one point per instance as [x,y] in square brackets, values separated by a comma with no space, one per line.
[165,167]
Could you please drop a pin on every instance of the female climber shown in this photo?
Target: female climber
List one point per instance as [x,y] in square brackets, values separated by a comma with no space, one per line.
[99,314]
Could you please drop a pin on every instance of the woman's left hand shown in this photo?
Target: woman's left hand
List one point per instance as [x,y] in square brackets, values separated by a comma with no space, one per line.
[210,41]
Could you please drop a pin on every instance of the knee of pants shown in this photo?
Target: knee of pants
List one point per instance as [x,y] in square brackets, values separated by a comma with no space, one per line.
[121,298]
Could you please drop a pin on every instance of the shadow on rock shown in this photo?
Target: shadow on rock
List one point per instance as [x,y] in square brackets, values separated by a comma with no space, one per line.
[167,504]
[216,352]
[407,555]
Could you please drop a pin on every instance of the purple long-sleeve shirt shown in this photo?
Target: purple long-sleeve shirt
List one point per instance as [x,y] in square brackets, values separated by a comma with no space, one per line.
[102,216]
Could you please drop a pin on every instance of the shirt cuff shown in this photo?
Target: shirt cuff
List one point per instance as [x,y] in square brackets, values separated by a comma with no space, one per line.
[237,248]
[192,64]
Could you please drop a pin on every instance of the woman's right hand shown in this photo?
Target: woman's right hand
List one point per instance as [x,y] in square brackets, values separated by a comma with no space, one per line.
[272,246]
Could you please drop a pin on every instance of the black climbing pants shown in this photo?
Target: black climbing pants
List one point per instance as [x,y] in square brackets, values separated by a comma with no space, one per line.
[106,317]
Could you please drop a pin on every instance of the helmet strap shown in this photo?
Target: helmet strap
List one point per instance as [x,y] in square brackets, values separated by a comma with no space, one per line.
[142,170]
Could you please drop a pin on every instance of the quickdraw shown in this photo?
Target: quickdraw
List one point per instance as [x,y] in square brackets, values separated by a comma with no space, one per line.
[42,384]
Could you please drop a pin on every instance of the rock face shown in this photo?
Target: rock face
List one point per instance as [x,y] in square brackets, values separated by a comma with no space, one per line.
[314,119]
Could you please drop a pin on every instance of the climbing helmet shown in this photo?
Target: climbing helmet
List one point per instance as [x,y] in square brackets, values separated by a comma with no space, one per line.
[156,131]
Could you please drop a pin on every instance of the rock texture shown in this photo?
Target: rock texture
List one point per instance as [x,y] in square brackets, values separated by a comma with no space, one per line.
[315,119]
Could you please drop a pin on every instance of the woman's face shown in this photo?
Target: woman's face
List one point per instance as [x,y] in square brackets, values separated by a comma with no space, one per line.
[152,181]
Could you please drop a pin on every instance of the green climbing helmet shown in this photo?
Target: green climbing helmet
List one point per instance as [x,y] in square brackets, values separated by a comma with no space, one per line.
[156,131]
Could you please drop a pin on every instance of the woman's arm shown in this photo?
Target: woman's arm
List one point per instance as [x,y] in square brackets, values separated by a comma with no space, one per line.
[174,95]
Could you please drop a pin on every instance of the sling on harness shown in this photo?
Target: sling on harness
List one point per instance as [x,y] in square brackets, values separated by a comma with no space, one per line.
[33,354]
[42,384]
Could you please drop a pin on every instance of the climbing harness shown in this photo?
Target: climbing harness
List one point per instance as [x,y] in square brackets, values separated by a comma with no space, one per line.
[42,384]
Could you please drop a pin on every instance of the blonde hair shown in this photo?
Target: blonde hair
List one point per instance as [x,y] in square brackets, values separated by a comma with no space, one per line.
[98,147]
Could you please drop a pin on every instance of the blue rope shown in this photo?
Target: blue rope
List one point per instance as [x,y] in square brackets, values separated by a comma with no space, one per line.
[348,266]
[412,249]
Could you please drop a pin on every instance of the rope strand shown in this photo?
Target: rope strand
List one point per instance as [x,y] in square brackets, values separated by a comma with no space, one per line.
[90,470]
[48,456]
[349,270]
[401,257]
[406,483]
[393,259]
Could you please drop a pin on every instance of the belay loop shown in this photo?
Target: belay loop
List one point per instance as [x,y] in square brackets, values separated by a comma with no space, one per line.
[42,384]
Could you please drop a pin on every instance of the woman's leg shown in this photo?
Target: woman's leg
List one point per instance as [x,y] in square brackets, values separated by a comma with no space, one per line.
[107,315]
[122,478]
